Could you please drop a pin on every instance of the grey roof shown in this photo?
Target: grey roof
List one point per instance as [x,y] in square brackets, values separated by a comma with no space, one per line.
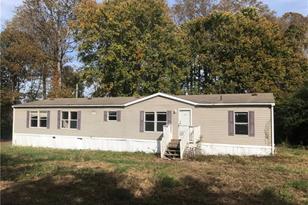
[111,101]
[231,98]
[121,101]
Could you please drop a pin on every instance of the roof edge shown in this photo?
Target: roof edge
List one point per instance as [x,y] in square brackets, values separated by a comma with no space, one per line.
[147,98]
[42,106]
[161,95]
[229,104]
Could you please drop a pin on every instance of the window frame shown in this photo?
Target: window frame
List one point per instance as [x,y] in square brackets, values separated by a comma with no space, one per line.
[69,119]
[116,115]
[241,123]
[38,123]
[155,120]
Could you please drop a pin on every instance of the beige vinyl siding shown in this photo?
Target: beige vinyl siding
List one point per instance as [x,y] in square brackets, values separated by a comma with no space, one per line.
[94,124]
[213,122]
[157,104]
[214,125]
[91,123]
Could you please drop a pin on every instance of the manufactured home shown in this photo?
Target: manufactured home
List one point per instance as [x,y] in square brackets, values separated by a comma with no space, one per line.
[172,125]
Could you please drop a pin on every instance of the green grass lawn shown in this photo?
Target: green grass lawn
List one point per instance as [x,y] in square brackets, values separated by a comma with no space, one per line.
[52,176]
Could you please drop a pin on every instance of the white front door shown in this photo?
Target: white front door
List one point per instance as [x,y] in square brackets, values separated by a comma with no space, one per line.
[184,122]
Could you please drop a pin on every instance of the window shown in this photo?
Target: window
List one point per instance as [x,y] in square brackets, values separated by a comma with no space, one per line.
[161,121]
[241,123]
[69,119]
[65,120]
[112,115]
[38,118]
[34,118]
[154,121]
[43,119]
[73,120]
[150,121]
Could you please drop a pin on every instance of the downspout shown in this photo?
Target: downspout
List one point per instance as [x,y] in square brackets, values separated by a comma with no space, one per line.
[273,143]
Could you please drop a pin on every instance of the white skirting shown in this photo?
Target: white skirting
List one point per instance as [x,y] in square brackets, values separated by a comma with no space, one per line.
[241,150]
[92,143]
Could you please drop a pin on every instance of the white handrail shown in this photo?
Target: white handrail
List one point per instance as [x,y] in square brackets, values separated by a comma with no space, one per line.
[189,136]
[183,144]
[195,135]
[166,139]
[184,136]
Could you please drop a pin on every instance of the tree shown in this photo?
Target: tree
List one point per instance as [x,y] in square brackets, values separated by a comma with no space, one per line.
[237,5]
[71,79]
[130,47]
[185,10]
[48,22]
[19,59]
[241,52]
[33,46]
[295,29]
[291,118]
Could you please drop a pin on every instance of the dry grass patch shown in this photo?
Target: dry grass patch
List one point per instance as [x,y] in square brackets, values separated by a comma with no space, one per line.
[50,176]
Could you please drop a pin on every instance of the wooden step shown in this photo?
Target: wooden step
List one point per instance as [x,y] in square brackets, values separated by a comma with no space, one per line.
[175,141]
[173,151]
[173,146]
[172,156]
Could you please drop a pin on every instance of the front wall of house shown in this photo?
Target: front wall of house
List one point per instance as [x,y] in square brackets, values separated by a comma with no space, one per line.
[93,124]
[214,125]
[212,120]
[157,104]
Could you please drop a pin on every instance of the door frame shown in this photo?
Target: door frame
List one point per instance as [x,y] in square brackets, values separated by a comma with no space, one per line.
[182,109]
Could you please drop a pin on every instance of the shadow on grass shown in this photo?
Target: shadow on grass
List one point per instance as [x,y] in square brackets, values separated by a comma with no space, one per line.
[14,168]
[88,186]
[59,185]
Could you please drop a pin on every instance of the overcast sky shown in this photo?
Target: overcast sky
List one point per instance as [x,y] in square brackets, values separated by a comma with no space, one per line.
[8,7]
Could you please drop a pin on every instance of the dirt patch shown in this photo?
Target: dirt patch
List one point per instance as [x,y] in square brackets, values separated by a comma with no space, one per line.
[6,184]
[87,164]
[139,183]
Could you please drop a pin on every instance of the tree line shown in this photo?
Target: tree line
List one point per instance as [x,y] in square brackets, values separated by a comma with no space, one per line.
[139,47]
